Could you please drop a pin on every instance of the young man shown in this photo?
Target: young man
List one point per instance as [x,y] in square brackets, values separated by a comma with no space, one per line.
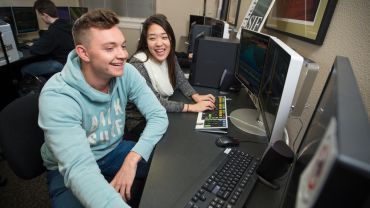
[55,43]
[82,113]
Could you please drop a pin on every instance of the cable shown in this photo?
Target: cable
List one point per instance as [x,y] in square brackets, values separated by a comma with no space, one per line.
[299,131]
[307,146]
[267,183]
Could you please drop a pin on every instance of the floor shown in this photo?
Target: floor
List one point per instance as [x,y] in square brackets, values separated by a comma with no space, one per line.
[19,193]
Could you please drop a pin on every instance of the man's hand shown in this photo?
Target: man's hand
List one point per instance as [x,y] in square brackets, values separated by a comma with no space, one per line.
[124,178]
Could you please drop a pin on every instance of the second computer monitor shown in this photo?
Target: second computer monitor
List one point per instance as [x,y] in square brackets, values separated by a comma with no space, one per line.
[63,13]
[278,84]
[25,19]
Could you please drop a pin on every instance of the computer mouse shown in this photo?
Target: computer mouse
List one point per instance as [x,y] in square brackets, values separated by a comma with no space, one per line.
[227,141]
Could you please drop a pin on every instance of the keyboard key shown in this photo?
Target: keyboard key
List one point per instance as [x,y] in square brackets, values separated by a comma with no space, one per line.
[230,184]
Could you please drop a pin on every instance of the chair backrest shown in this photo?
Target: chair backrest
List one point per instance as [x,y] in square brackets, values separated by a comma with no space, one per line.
[21,137]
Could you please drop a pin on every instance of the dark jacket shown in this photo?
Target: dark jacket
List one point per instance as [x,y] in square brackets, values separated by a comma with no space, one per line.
[57,41]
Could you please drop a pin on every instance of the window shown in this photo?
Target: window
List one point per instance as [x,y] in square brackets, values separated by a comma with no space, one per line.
[124,8]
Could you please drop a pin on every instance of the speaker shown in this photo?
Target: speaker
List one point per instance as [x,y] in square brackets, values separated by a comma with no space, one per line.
[276,161]
[228,82]
[211,56]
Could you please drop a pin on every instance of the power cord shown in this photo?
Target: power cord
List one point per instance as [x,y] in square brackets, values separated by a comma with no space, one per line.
[267,183]
[299,131]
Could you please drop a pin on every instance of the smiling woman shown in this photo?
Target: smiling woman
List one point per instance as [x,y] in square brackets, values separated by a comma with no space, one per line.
[156,61]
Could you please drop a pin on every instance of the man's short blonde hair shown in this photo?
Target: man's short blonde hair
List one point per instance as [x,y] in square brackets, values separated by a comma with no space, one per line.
[99,19]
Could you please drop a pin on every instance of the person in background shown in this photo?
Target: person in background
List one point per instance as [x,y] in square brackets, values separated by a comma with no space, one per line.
[89,160]
[55,43]
[156,61]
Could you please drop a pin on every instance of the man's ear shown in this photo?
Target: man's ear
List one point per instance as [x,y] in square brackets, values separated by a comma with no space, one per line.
[82,53]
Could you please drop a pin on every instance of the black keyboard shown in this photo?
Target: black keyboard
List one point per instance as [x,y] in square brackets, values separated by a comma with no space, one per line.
[229,185]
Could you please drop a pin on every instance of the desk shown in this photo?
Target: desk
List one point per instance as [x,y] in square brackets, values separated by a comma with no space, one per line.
[183,154]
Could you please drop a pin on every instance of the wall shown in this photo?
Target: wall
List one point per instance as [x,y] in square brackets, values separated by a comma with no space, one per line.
[132,38]
[177,12]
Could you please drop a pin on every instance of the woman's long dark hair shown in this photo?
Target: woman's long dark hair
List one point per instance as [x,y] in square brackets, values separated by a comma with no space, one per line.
[160,20]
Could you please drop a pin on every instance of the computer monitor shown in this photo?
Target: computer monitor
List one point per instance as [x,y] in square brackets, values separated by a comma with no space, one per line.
[63,13]
[25,19]
[220,29]
[76,12]
[195,19]
[332,168]
[197,31]
[278,84]
[251,62]
[6,15]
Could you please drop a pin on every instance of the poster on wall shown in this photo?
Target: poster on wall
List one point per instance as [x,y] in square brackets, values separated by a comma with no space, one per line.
[307,20]
[256,15]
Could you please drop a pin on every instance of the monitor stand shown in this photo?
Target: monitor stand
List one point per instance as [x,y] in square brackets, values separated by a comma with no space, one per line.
[248,120]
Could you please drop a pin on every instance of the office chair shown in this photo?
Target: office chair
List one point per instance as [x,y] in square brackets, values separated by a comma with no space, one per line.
[21,137]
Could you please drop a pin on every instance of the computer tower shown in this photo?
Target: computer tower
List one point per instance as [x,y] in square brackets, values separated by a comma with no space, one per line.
[8,48]
[212,58]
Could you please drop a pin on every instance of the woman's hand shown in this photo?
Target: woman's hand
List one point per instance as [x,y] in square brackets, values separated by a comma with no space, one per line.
[201,106]
[198,98]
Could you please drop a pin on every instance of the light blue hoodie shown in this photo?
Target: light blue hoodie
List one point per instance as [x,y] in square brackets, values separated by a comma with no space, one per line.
[81,125]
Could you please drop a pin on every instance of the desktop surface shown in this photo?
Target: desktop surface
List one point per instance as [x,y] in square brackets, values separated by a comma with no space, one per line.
[184,154]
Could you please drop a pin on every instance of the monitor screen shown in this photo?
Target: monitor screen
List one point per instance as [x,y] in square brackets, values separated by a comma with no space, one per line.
[278,84]
[195,19]
[63,13]
[251,62]
[334,147]
[25,19]
[252,55]
[76,12]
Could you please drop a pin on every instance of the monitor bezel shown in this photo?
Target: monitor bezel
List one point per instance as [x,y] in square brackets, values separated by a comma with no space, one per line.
[278,132]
